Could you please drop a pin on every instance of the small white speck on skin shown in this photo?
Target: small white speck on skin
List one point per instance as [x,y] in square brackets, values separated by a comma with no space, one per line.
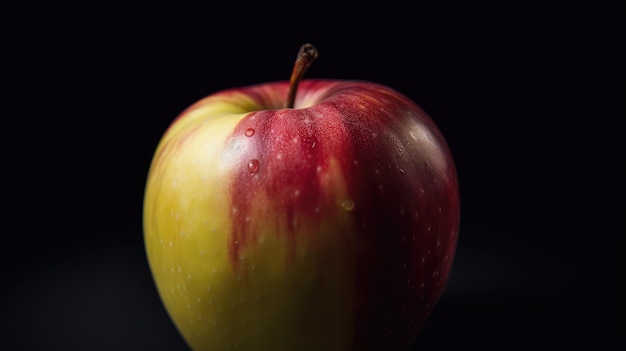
[179,270]
[208,287]
[188,276]
[296,193]
[279,156]
[198,300]
[347,204]
[170,243]
[319,169]
[202,253]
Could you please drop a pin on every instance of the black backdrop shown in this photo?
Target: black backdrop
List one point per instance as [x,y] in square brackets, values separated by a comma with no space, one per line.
[529,96]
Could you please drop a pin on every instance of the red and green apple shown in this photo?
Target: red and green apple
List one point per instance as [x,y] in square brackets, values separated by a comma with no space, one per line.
[322,220]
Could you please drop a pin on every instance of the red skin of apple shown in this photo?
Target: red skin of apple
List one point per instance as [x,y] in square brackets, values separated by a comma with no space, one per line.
[402,186]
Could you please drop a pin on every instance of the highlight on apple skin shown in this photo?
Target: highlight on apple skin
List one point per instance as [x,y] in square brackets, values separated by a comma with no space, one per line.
[331,225]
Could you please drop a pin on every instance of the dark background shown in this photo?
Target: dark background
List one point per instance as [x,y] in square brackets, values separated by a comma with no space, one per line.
[530,98]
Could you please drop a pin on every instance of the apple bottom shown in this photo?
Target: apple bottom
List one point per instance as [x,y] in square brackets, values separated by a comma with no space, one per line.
[285,295]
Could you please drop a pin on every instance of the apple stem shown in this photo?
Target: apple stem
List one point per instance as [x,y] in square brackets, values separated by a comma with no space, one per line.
[306,56]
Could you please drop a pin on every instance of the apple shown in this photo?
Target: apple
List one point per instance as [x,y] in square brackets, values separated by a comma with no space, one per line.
[322,220]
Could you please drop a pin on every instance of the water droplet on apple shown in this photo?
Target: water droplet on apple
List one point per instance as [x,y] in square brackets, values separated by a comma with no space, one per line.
[253,166]
[347,205]
[249,132]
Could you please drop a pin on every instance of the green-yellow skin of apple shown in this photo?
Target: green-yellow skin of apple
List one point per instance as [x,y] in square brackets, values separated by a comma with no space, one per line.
[330,226]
